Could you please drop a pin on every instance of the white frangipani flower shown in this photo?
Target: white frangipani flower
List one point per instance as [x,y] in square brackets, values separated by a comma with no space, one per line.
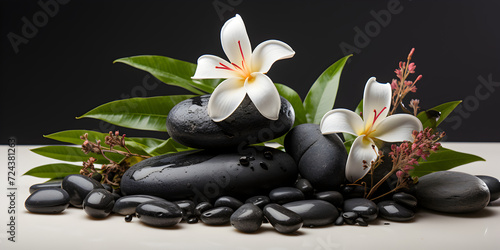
[375,124]
[245,72]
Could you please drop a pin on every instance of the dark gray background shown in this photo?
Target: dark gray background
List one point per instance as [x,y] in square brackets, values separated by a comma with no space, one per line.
[65,69]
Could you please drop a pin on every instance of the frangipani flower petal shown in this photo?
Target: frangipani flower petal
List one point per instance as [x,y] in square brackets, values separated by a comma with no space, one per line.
[363,152]
[226,98]
[235,42]
[376,102]
[341,120]
[397,127]
[268,52]
[264,95]
[214,67]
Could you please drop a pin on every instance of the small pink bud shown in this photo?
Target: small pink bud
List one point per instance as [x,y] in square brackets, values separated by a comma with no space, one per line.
[411,53]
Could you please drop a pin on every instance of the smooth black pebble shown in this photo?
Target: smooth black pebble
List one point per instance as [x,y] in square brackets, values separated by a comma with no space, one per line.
[260,200]
[314,213]
[333,197]
[217,216]
[493,186]
[159,213]
[228,201]
[405,199]
[78,187]
[247,218]
[47,201]
[202,207]
[126,205]
[282,219]
[187,207]
[304,186]
[365,208]
[49,184]
[393,211]
[99,203]
[284,195]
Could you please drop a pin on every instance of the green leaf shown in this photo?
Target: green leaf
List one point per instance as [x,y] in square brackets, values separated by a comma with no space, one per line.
[171,71]
[294,99]
[137,113]
[166,147]
[55,170]
[321,96]
[445,109]
[74,154]
[443,159]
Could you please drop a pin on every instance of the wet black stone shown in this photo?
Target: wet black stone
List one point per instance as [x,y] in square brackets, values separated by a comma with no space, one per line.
[204,176]
[128,217]
[187,207]
[107,187]
[78,187]
[49,184]
[394,211]
[304,186]
[217,216]
[247,218]
[339,221]
[333,197]
[314,213]
[244,161]
[192,220]
[282,219]
[189,124]
[202,207]
[260,200]
[159,213]
[127,204]
[405,199]
[350,192]
[47,201]
[362,222]
[452,192]
[493,186]
[284,195]
[228,201]
[99,203]
[320,158]
[365,208]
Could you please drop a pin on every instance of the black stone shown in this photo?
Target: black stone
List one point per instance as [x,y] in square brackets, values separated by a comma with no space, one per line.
[192,220]
[49,184]
[228,201]
[187,207]
[493,186]
[78,187]
[107,187]
[217,216]
[452,192]
[304,186]
[333,197]
[320,158]
[127,204]
[365,208]
[405,199]
[284,195]
[394,211]
[260,200]
[362,222]
[339,221]
[247,218]
[314,213]
[159,213]
[189,124]
[349,192]
[282,219]
[99,203]
[202,207]
[47,201]
[128,217]
[204,176]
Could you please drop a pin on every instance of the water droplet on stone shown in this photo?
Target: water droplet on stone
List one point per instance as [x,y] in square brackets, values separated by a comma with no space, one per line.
[268,155]
[244,161]
[128,218]
[264,165]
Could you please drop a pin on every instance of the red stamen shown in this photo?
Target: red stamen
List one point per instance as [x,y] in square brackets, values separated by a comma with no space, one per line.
[241,51]
[377,116]
[236,66]
[223,67]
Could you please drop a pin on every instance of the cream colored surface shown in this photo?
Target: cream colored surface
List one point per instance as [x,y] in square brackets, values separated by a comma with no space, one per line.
[73,229]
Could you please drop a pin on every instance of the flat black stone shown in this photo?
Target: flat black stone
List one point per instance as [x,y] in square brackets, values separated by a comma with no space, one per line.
[126,205]
[217,216]
[49,184]
[78,187]
[314,213]
[159,213]
[320,158]
[260,200]
[189,124]
[493,186]
[333,197]
[47,201]
[205,176]
[228,201]
[452,192]
[99,203]
[284,195]
[247,218]
[365,208]
[393,211]
[282,219]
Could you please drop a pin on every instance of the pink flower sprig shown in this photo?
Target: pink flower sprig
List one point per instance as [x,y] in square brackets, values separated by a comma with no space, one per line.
[401,86]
